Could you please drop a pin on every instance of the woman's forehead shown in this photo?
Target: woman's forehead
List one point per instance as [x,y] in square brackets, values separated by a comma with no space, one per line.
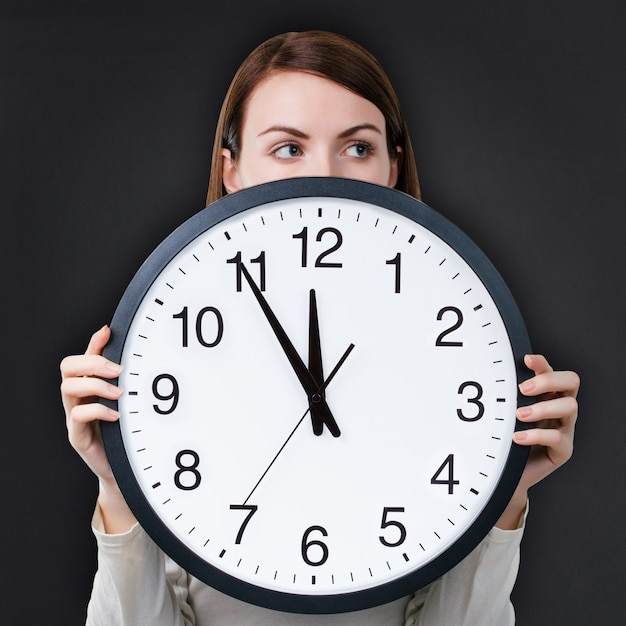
[300,99]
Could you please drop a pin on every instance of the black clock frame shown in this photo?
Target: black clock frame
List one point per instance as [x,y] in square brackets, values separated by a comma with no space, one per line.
[233,204]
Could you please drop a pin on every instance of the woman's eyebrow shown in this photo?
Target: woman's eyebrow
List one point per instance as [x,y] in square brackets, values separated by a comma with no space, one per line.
[284,129]
[355,129]
[290,130]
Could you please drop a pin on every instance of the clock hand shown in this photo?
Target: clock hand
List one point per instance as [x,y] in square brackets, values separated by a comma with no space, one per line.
[315,362]
[291,434]
[305,377]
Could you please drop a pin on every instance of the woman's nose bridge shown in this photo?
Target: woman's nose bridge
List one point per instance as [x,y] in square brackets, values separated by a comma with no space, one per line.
[324,163]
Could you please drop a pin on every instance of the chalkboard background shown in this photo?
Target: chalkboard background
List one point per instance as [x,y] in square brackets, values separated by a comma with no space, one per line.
[517,112]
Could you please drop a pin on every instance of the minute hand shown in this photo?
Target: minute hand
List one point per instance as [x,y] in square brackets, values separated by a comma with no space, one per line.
[310,385]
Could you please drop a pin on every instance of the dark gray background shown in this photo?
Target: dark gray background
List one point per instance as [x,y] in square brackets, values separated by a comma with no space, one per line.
[107,114]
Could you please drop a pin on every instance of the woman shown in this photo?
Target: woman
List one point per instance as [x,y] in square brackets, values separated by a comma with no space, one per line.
[304,104]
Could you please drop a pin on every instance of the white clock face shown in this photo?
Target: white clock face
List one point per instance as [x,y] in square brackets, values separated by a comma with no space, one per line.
[416,389]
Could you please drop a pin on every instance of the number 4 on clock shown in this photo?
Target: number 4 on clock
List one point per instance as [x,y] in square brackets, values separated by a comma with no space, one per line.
[450,481]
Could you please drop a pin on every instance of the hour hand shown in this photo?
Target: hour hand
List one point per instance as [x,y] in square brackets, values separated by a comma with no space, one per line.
[312,388]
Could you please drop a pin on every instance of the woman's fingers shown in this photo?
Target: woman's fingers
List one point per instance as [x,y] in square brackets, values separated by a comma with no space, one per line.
[564,408]
[554,416]
[89,365]
[548,381]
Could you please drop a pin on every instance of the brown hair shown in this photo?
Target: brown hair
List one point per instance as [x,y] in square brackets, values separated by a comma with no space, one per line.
[324,54]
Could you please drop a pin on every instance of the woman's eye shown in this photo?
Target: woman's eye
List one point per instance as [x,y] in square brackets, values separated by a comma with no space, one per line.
[288,151]
[359,150]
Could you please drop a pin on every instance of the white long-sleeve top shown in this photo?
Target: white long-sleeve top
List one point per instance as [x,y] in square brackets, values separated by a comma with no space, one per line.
[137,584]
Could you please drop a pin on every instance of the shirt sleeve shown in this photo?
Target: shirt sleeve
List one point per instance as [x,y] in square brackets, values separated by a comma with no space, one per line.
[135,585]
[477,590]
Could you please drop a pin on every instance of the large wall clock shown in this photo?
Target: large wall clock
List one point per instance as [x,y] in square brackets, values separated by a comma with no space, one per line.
[320,384]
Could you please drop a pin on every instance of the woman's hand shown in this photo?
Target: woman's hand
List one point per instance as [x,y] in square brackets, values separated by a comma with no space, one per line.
[82,385]
[552,441]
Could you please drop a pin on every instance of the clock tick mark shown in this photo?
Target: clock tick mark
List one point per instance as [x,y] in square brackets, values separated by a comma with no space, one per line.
[369,569]
[406,556]
[282,219]
[227,235]
[456,275]
[207,541]
[189,533]
[463,507]
[244,226]
[156,485]
[478,307]
[466,292]
[262,220]
[376,223]
[149,318]
[427,250]
[170,286]
[132,393]
[388,566]
[313,579]
[135,431]
[239,562]
[422,547]
[442,262]
[210,245]
[474,491]
[178,516]
[145,469]
[482,474]
[142,337]
[196,258]
[159,302]
[393,232]
[166,501]
[490,456]
[411,238]
[222,553]
[436,535]
[180,269]
[451,522]
[500,399]
[319,212]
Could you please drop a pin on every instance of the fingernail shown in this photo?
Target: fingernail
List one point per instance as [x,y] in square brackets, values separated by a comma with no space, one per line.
[113,414]
[520,435]
[527,386]
[524,412]
[114,368]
